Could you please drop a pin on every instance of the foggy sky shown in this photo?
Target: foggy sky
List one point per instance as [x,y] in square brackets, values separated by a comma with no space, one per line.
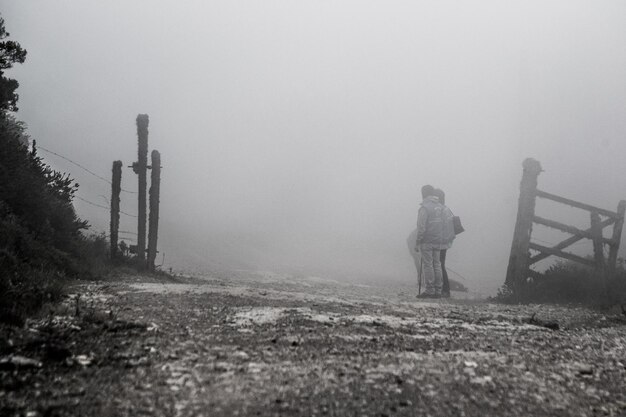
[298,134]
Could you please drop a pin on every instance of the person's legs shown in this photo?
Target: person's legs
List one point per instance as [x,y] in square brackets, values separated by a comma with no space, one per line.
[437,275]
[445,289]
[428,270]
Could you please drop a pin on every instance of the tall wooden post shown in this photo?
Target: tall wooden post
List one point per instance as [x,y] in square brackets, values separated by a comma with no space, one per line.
[598,245]
[153,223]
[617,236]
[598,250]
[116,187]
[517,271]
[141,168]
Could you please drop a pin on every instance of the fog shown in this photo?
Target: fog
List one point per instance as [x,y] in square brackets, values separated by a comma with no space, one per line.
[295,136]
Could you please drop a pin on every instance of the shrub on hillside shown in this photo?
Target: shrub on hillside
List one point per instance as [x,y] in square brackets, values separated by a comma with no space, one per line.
[36,199]
[569,282]
[94,257]
[26,290]
[40,234]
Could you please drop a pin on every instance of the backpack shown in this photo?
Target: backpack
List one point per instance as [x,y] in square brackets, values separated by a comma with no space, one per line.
[458,227]
[449,232]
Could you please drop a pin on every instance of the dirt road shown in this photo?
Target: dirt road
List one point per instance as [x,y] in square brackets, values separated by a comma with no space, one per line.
[263,344]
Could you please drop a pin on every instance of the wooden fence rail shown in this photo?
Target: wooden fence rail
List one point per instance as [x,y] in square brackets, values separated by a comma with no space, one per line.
[520,260]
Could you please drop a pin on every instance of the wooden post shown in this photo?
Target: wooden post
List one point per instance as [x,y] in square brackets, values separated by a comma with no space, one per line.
[617,236]
[116,187]
[596,236]
[598,249]
[153,222]
[141,168]
[517,270]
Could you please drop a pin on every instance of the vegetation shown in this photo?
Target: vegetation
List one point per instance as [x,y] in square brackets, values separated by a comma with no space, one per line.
[41,240]
[568,282]
[40,235]
[10,53]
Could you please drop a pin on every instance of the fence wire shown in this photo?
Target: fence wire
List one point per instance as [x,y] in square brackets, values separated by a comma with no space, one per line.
[82,167]
[103,207]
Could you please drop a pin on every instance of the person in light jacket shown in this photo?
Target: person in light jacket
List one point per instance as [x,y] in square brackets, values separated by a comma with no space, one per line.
[434,233]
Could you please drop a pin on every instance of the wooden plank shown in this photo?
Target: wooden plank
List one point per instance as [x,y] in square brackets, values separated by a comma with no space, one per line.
[568,242]
[561,254]
[582,206]
[562,227]
[568,229]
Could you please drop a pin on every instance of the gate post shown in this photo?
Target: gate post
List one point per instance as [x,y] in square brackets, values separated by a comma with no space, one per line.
[598,248]
[153,221]
[517,270]
[115,206]
[141,170]
[617,236]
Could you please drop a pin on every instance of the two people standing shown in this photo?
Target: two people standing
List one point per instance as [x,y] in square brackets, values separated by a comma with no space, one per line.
[433,237]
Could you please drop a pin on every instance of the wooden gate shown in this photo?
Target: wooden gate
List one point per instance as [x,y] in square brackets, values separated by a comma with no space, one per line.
[520,259]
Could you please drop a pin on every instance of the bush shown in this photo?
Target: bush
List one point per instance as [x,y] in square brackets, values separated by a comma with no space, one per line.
[40,234]
[26,290]
[94,257]
[568,282]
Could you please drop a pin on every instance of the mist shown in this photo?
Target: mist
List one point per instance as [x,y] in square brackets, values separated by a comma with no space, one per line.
[296,136]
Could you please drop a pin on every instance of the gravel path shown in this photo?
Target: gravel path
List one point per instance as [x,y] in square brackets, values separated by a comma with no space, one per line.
[264,344]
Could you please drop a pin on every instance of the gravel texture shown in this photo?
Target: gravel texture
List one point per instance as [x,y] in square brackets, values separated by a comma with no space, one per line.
[265,344]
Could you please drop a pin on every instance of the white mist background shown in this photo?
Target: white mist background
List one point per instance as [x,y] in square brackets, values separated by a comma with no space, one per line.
[296,135]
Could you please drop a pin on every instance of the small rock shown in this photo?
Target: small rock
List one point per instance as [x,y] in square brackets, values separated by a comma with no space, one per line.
[481,380]
[137,362]
[83,360]
[240,354]
[18,362]
[78,393]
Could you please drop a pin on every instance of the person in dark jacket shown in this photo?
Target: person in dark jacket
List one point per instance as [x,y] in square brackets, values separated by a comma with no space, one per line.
[445,289]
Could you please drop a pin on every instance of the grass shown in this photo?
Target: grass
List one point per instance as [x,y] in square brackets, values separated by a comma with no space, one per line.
[571,283]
